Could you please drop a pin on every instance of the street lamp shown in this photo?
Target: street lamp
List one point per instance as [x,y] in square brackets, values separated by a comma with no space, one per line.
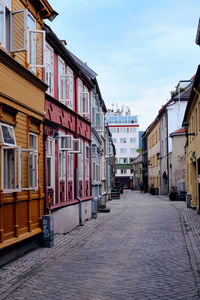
[186,125]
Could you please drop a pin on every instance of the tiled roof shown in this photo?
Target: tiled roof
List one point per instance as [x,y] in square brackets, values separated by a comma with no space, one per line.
[180,131]
[138,159]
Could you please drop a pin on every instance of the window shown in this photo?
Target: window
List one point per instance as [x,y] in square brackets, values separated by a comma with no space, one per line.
[11,175]
[70,166]
[70,87]
[33,171]
[83,100]
[8,136]
[116,160]
[123,150]
[132,150]
[80,161]
[123,171]
[114,140]
[123,140]
[61,80]
[122,129]
[66,142]
[133,140]
[50,162]
[99,121]
[49,69]
[61,165]
[132,129]
[131,160]
[5,7]
[87,162]
[24,36]
[123,160]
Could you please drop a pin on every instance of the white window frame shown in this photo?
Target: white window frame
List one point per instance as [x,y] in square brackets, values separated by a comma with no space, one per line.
[70,166]
[100,126]
[87,162]
[67,138]
[17,166]
[80,162]
[33,168]
[76,149]
[12,129]
[61,165]
[61,73]
[4,22]
[35,177]
[82,111]
[93,151]
[50,154]
[70,88]
[43,46]
[49,69]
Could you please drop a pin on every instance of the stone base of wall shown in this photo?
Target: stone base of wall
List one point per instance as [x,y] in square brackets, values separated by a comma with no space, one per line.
[67,218]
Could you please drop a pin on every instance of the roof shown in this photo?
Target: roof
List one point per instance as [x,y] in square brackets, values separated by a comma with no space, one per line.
[84,66]
[191,99]
[67,55]
[138,159]
[178,132]
[185,94]
[197,41]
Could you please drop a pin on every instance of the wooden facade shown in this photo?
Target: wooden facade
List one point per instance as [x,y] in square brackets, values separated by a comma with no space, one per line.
[22,94]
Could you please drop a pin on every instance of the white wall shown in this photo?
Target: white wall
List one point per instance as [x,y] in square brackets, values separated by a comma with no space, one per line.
[176,113]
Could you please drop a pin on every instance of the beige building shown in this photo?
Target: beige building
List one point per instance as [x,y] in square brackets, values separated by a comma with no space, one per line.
[177,161]
[153,138]
[191,123]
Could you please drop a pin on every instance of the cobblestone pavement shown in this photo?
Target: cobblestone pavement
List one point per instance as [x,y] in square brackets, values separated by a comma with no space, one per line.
[147,247]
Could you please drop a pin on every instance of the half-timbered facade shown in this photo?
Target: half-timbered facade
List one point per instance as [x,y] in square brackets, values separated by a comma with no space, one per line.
[67,137]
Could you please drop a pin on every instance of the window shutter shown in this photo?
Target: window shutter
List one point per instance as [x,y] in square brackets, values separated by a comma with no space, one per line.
[36,48]
[18,30]
[66,142]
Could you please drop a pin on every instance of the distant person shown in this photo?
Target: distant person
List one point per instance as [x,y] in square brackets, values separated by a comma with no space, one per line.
[141,187]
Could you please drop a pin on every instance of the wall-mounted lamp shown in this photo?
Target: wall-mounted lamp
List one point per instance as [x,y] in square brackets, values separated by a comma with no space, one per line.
[56,135]
[186,125]
[158,155]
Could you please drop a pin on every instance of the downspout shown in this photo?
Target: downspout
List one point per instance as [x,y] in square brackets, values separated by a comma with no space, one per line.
[167,153]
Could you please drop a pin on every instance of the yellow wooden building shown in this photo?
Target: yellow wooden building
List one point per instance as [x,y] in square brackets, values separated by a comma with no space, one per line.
[191,124]
[22,94]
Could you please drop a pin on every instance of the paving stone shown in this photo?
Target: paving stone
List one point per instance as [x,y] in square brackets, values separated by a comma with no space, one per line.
[147,247]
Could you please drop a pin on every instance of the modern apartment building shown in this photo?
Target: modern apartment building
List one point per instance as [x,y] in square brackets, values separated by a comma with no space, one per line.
[125,133]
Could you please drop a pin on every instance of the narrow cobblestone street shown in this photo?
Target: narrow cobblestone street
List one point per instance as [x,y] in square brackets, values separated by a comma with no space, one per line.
[147,247]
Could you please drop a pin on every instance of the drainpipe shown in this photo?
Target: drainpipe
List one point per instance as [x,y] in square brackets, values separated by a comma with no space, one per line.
[167,153]
[79,200]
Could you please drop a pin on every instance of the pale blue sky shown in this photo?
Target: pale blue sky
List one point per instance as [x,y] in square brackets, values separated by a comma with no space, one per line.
[140,49]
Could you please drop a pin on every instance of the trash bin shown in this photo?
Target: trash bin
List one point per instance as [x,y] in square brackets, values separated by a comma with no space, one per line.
[188,200]
[94,207]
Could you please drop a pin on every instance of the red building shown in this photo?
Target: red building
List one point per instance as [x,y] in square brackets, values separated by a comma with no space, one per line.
[67,136]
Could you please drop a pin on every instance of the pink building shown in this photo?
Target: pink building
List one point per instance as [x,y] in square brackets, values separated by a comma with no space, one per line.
[67,137]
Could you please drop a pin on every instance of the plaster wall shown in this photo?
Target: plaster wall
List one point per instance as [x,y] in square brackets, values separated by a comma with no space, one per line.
[176,113]
[67,218]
